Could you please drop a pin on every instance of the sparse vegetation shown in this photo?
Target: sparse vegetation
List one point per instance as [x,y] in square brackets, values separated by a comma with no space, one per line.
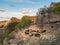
[25,22]
[45,39]
[13,22]
[5,34]
[56,7]
[11,26]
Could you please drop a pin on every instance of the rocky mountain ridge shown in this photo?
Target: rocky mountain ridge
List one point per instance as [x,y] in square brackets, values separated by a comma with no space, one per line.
[33,32]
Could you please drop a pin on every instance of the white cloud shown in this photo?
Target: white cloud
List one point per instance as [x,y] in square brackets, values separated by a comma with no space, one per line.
[16,0]
[24,1]
[3,10]
[31,2]
[10,14]
[25,11]
[28,11]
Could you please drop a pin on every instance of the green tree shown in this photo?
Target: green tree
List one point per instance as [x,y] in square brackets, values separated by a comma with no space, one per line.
[56,8]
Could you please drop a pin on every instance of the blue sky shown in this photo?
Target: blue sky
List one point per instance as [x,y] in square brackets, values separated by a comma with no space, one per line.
[15,8]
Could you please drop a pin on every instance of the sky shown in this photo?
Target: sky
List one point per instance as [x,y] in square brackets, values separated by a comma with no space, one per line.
[19,8]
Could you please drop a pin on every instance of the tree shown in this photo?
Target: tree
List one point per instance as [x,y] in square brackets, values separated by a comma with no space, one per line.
[56,8]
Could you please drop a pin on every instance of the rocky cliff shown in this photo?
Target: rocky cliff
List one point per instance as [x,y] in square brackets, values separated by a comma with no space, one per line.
[33,35]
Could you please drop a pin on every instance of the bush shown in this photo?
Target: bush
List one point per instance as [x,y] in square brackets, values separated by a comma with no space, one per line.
[56,8]
[23,23]
[5,34]
[11,26]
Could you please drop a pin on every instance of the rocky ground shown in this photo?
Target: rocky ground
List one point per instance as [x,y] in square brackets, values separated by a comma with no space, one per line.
[33,36]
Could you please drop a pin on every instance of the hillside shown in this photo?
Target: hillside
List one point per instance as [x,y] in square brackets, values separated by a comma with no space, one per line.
[42,29]
[32,18]
[4,26]
[33,35]
[2,23]
[31,32]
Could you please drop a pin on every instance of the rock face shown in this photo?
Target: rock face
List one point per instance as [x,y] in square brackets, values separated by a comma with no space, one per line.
[3,27]
[13,19]
[33,36]
[21,36]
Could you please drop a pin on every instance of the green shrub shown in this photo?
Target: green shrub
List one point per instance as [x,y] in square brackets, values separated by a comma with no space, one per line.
[5,34]
[11,26]
[23,23]
[56,8]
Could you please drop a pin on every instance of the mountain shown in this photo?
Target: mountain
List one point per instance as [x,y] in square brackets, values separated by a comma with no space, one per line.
[5,26]
[2,23]
[25,35]
[14,19]
[32,18]
[34,35]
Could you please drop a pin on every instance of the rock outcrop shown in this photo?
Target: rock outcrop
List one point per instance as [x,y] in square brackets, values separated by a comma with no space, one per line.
[3,23]
[31,36]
